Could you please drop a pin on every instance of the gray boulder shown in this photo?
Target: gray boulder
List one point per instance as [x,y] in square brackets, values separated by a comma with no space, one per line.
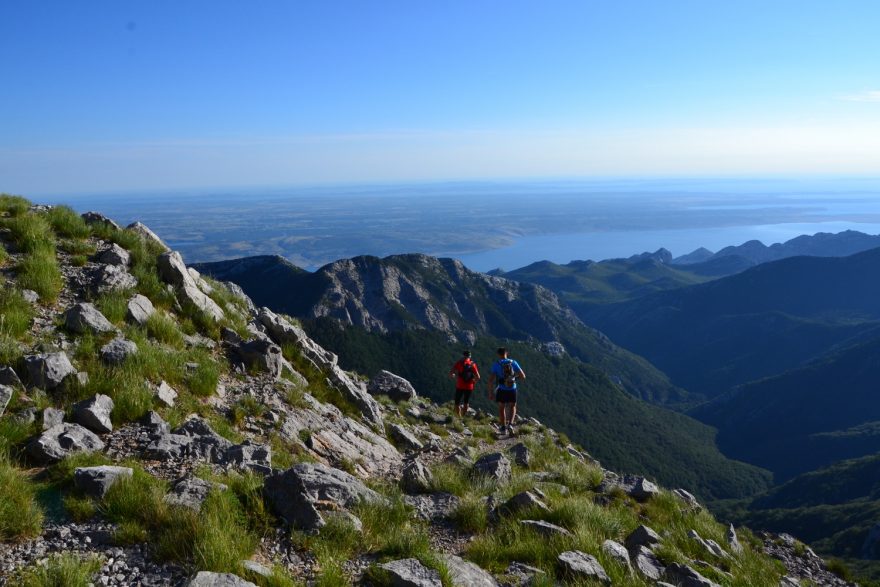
[52,417]
[283,332]
[688,498]
[357,393]
[642,536]
[139,309]
[85,318]
[174,272]
[467,574]
[410,572]
[685,576]
[520,454]
[733,541]
[248,455]
[48,370]
[646,562]
[97,481]
[144,232]
[60,441]
[5,395]
[30,296]
[295,493]
[616,551]
[191,492]
[580,565]
[545,528]
[105,278]
[93,218]
[166,394]
[117,351]
[207,579]
[394,386]
[261,355]
[94,413]
[417,478]
[9,377]
[522,575]
[433,506]
[404,437]
[114,255]
[644,489]
[494,465]
[524,500]
[155,424]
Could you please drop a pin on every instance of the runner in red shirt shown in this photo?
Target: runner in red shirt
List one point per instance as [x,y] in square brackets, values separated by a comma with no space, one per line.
[466,375]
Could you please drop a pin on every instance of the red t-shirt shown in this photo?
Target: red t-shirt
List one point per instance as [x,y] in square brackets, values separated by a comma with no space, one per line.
[460,383]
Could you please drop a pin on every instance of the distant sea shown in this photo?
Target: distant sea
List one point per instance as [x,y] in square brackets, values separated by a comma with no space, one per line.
[499,224]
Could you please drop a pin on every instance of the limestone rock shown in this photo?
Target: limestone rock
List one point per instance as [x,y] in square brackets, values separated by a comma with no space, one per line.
[208,579]
[520,453]
[48,370]
[282,332]
[143,231]
[260,355]
[404,437]
[545,528]
[249,455]
[685,576]
[336,437]
[646,563]
[5,396]
[356,393]
[193,439]
[577,564]
[139,309]
[524,500]
[410,572]
[191,492]
[52,417]
[9,377]
[166,394]
[154,423]
[97,481]
[114,255]
[92,218]
[394,386]
[433,506]
[616,551]
[85,318]
[733,541]
[105,278]
[522,575]
[466,574]
[174,272]
[60,441]
[30,296]
[417,478]
[708,545]
[117,351]
[642,536]
[644,489]
[494,465]
[687,497]
[94,413]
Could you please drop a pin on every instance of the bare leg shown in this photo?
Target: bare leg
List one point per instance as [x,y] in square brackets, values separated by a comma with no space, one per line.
[512,417]
[464,409]
[501,415]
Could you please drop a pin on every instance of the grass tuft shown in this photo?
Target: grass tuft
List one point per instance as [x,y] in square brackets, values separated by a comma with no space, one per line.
[67,223]
[61,570]
[20,515]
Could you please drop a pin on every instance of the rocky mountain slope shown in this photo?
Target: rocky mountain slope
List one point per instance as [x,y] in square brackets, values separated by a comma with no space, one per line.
[418,292]
[158,429]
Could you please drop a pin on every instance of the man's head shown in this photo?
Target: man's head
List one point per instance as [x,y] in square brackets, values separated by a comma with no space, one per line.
[466,354]
[502,352]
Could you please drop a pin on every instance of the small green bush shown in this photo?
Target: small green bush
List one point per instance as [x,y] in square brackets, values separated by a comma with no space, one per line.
[67,223]
[20,514]
[13,205]
[62,570]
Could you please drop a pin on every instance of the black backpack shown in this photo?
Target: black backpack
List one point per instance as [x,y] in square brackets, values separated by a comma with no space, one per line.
[467,373]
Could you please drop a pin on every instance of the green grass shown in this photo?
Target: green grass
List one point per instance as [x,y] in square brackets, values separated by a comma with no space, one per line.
[15,313]
[13,205]
[20,515]
[163,328]
[39,271]
[317,381]
[67,223]
[114,305]
[13,433]
[31,232]
[248,406]
[62,570]
[76,247]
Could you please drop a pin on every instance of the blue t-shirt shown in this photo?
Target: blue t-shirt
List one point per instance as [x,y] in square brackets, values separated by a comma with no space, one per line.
[498,370]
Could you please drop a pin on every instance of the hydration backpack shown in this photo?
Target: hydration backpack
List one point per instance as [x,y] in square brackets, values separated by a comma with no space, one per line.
[508,375]
[467,371]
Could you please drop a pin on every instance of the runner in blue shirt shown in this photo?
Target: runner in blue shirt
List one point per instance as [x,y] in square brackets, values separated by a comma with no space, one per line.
[502,388]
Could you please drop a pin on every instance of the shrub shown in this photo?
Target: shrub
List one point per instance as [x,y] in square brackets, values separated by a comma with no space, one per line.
[62,570]
[20,515]
[67,223]
[13,205]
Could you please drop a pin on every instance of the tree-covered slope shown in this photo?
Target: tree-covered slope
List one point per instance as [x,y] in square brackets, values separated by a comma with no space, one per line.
[764,321]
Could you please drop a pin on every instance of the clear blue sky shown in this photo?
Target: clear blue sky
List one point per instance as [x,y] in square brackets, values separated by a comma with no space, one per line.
[114,95]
